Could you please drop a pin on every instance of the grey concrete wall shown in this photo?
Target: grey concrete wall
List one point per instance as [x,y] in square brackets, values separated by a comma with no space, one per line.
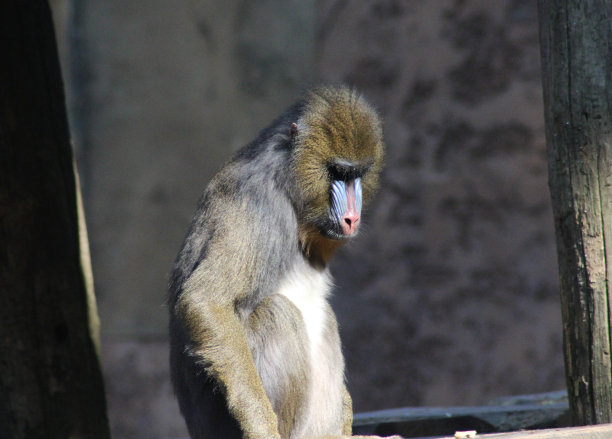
[173,89]
[450,295]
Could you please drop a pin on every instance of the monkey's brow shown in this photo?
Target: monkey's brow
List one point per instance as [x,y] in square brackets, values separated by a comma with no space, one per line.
[343,169]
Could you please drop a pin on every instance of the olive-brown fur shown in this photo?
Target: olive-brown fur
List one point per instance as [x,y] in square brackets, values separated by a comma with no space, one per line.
[337,123]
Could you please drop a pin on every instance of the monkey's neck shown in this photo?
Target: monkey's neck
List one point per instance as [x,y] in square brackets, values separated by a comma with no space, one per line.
[316,248]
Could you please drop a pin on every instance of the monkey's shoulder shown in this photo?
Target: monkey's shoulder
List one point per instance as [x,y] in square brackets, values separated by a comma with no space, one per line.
[254,173]
[247,200]
[244,229]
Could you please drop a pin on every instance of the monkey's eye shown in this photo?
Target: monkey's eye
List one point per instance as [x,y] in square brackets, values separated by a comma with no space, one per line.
[345,170]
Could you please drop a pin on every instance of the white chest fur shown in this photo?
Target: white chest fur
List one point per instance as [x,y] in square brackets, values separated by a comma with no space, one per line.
[308,289]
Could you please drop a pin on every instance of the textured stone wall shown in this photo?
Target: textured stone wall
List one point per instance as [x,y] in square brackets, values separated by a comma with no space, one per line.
[451,295]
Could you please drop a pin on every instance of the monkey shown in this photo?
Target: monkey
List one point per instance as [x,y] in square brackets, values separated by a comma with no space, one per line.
[255,351]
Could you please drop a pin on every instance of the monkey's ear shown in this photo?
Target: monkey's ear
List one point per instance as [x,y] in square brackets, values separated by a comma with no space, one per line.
[293,130]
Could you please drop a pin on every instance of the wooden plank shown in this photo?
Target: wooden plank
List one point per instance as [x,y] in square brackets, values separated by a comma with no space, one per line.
[429,413]
[603,431]
[509,414]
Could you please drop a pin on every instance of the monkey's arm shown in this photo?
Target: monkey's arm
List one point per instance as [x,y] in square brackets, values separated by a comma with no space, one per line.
[347,411]
[218,342]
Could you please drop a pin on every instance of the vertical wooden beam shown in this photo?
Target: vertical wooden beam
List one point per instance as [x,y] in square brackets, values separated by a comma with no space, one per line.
[576,48]
[50,377]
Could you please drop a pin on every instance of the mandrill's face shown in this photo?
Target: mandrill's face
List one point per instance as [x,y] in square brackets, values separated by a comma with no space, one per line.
[338,158]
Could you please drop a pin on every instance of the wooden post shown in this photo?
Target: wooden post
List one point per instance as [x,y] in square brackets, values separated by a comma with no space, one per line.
[50,377]
[576,48]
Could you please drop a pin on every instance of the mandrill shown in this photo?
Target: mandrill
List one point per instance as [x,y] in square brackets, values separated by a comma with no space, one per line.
[255,351]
